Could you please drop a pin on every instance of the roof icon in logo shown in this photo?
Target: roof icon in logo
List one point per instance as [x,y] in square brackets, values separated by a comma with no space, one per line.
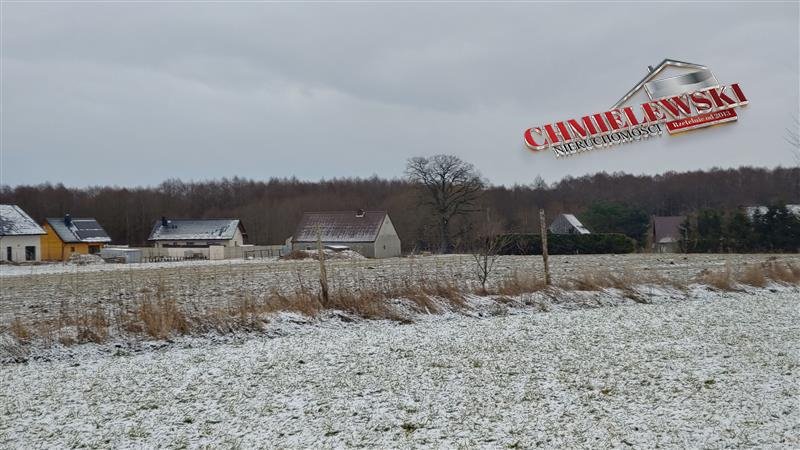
[700,78]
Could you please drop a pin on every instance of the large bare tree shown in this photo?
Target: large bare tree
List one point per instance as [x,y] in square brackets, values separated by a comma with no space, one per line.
[451,187]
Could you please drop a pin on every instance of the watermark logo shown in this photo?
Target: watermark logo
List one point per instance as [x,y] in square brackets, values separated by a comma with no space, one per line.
[679,103]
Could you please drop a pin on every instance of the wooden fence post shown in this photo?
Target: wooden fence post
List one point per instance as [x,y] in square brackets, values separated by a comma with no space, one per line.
[323,273]
[543,231]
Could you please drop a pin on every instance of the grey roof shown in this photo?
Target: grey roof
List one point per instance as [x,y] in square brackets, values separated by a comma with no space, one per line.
[654,71]
[16,222]
[78,230]
[340,226]
[667,229]
[195,230]
[564,222]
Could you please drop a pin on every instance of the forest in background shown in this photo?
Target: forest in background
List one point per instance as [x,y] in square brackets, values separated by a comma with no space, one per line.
[271,209]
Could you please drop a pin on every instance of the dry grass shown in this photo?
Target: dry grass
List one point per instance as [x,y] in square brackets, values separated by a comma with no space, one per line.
[782,272]
[92,326]
[516,284]
[721,280]
[154,313]
[757,275]
[597,281]
[161,317]
[19,330]
[753,275]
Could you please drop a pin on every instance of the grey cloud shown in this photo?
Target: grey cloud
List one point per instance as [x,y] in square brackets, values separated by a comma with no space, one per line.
[316,91]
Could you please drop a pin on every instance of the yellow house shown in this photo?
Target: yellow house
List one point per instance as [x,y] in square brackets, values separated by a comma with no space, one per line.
[67,236]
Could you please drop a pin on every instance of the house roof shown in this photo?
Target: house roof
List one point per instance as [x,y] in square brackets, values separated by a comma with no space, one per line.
[340,226]
[654,71]
[78,230]
[572,221]
[667,229]
[195,229]
[16,222]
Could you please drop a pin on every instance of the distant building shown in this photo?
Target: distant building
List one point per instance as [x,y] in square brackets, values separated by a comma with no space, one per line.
[67,236]
[197,233]
[666,233]
[20,236]
[750,211]
[567,224]
[369,233]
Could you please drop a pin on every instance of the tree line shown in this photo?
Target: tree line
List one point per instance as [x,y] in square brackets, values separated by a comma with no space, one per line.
[271,209]
[775,229]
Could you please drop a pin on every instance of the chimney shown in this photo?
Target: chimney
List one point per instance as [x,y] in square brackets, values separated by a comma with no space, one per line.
[360,213]
[164,221]
[67,219]
[650,68]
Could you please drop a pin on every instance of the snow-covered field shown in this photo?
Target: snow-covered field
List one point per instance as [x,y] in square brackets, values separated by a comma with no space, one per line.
[677,367]
[43,290]
[719,370]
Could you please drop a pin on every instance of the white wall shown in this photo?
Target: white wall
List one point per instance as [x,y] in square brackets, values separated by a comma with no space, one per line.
[387,244]
[18,244]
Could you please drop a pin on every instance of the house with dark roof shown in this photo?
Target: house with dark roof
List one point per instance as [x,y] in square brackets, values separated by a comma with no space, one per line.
[568,224]
[197,233]
[369,233]
[666,233]
[20,235]
[66,236]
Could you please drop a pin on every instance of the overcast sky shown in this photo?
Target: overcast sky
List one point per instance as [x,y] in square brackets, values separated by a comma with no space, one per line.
[132,94]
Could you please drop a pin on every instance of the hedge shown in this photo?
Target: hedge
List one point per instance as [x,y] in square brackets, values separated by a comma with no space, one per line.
[566,244]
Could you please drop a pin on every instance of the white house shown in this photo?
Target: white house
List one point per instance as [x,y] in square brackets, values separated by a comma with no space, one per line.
[20,236]
[369,233]
[197,233]
[567,224]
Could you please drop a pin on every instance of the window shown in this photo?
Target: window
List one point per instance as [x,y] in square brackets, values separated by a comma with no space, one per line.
[8,253]
[72,249]
[30,253]
[94,249]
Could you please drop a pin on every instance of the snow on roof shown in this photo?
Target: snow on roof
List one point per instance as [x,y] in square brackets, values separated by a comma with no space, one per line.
[667,229]
[16,222]
[576,223]
[750,211]
[340,226]
[78,229]
[195,229]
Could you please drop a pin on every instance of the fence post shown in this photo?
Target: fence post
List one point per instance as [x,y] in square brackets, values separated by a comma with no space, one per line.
[323,273]
[543,232]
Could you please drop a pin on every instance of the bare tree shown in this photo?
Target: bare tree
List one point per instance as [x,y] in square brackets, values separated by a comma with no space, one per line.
[451,188]
[793,138]
[486,252]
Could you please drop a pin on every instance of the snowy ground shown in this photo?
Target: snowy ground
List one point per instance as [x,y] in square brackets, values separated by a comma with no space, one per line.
[719,370]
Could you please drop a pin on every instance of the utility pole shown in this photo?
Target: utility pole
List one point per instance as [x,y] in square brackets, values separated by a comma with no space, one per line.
[543,229]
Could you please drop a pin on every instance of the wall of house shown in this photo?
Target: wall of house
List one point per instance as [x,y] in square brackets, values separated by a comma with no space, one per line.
[387,244]
[197,243]
[18,244]
[53,249]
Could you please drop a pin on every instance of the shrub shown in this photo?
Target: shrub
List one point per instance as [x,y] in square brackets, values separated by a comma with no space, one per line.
[567,244]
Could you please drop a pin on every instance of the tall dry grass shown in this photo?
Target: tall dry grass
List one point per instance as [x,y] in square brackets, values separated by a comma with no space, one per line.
[156,314]
[721,280]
